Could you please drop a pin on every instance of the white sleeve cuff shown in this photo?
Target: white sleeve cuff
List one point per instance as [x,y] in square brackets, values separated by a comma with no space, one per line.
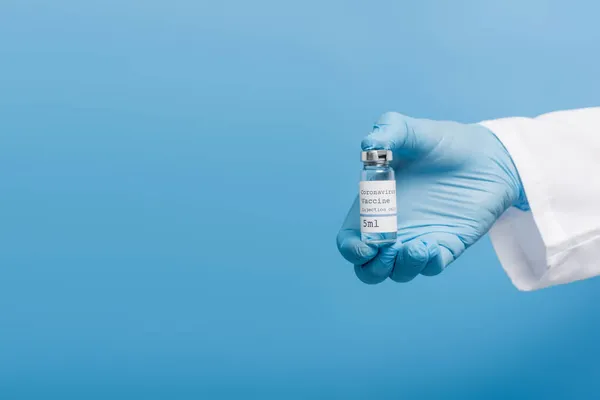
[541,247]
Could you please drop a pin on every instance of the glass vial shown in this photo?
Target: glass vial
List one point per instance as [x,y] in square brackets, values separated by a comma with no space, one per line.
[377,197]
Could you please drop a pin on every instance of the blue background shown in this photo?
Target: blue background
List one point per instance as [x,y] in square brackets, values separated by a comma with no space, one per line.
[173,175]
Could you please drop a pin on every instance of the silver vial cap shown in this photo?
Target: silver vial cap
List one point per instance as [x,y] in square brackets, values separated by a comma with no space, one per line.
[376,156]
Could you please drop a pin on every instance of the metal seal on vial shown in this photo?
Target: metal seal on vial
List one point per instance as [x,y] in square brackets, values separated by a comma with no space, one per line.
[376,156]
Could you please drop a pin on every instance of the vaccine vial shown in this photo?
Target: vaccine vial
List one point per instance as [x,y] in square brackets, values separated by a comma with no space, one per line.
[377,197]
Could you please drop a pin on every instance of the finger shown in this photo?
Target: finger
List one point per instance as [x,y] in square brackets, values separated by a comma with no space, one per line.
[353,249]
[437,264]
[379,268]
[408,138]
[411,260]
[449,248]
[349,243]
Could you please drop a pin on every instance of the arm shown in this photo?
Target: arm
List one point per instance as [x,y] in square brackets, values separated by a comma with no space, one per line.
[557,156]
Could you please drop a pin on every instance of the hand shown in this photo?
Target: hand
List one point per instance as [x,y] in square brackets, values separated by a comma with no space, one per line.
[453,181]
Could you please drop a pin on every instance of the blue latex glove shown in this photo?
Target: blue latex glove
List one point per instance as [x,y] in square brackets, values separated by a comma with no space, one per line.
[453,181]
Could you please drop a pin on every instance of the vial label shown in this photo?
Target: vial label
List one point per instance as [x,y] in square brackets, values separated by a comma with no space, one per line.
[378,206]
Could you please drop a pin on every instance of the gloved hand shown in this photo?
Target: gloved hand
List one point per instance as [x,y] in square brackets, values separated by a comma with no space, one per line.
[453,181]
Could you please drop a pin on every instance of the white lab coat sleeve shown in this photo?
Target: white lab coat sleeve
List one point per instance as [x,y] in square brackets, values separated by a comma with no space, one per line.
[557,156]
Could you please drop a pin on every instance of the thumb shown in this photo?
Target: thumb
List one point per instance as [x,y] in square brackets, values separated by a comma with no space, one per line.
[408,138]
